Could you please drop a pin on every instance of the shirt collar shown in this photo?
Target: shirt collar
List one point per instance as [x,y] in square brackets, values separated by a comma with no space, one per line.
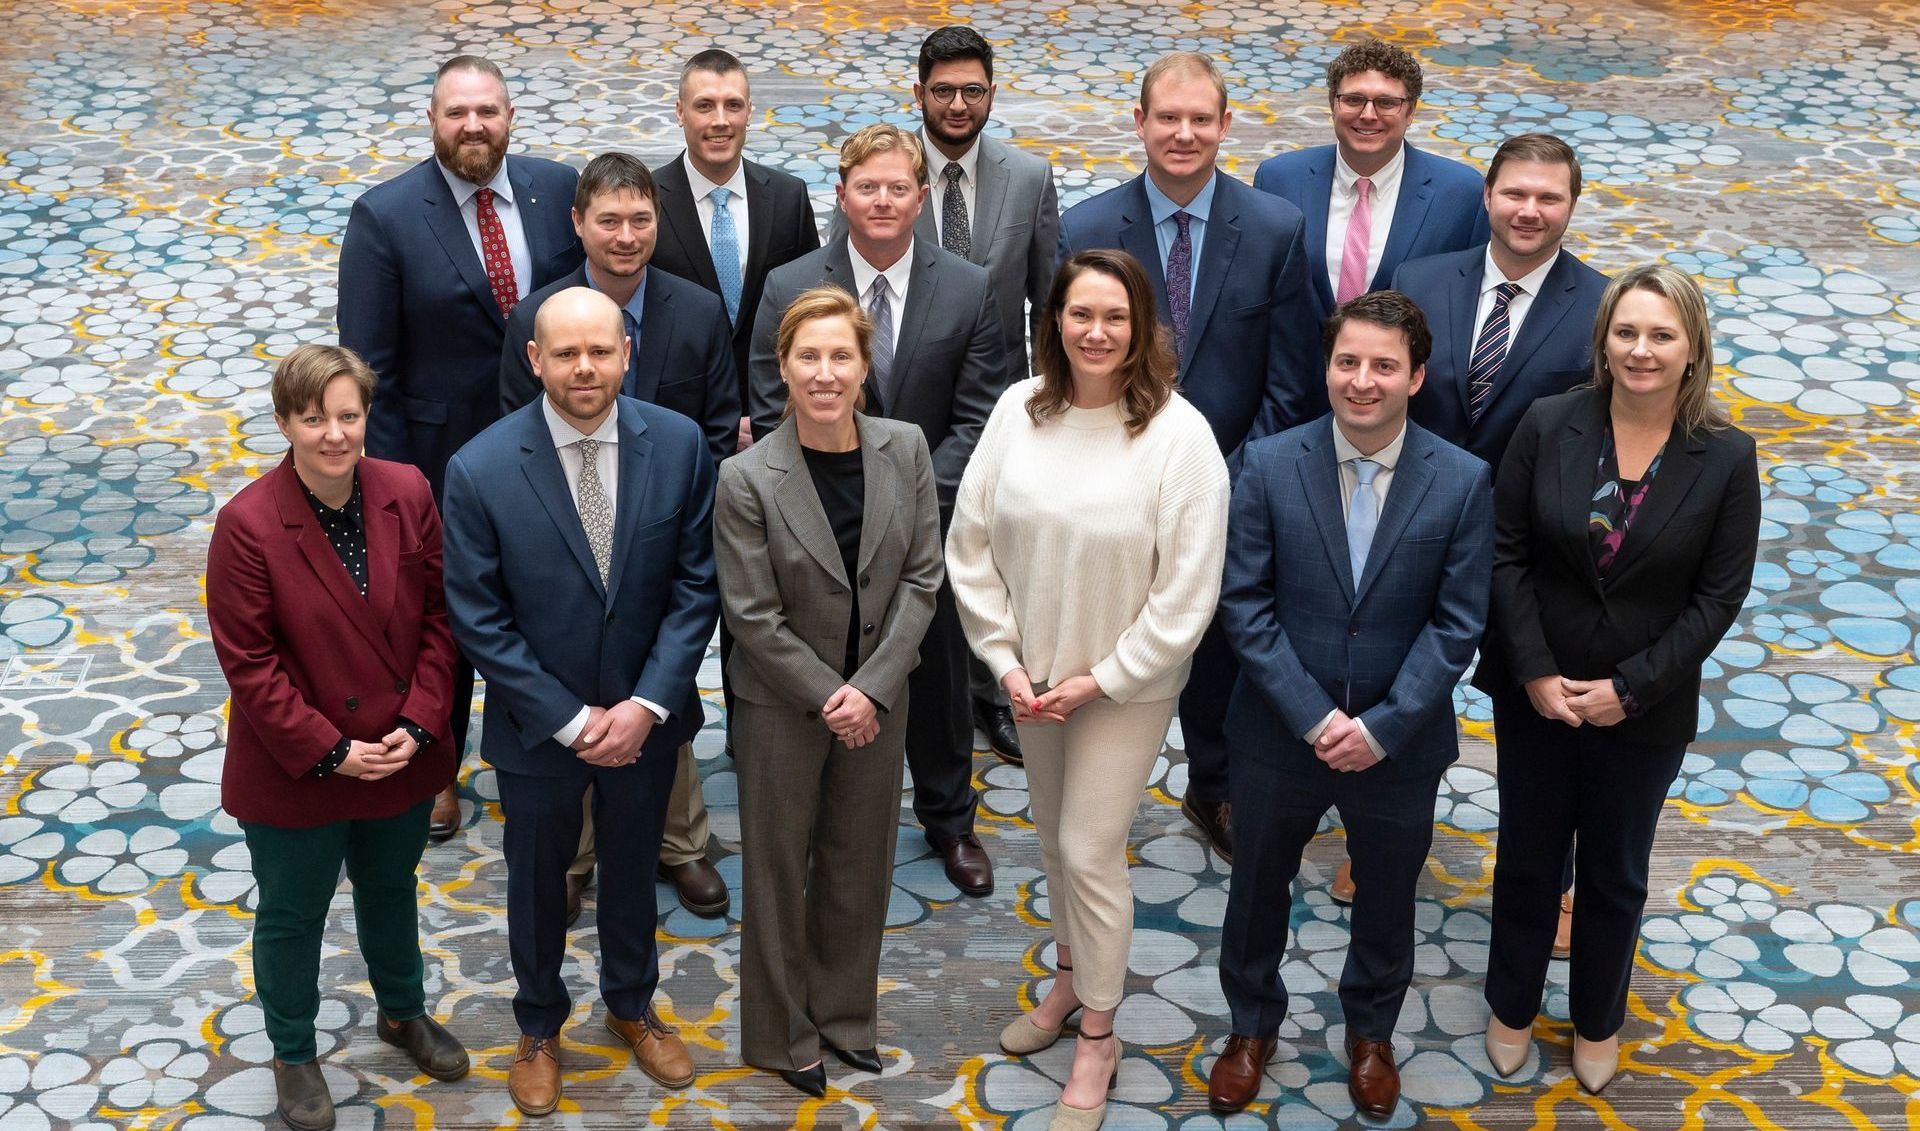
[565,433]
[1344,451]
[464,189]
[937,162]
[896,275]
[351,510]
[1531,282]
[1163,206]
[636,305]
[701,187]
[1384,180]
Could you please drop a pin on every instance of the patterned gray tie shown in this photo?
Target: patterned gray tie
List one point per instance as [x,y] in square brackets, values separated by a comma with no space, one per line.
[880,308]
[954,235]
[596,514]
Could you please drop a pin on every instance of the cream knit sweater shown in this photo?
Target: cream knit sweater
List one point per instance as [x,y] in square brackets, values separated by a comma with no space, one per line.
[1076,549]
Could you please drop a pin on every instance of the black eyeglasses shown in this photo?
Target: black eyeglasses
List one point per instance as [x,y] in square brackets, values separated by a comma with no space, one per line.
[1384,103]
[971,93]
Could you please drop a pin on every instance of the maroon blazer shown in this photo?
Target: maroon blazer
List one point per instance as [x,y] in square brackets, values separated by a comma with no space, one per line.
[309,660]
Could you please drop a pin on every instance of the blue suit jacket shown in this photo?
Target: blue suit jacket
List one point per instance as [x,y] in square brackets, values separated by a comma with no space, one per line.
[1441,208]
[415,303]
[526,601]
[1252,363]
[1553,352]
[1388,650]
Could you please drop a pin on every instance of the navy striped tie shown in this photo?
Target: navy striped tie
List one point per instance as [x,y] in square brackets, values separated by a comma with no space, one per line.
[1489,352]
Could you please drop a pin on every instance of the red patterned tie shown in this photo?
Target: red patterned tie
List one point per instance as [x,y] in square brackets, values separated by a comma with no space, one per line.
[493,249]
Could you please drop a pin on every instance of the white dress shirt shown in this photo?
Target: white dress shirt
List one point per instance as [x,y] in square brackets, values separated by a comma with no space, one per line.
[1340,205]
[897,276]
[505,207]
[702,189]
[1490,278]
[1387,457]
[937,176]
[566,443]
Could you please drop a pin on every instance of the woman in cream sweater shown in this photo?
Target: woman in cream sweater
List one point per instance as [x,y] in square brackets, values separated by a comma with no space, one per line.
[1085,557]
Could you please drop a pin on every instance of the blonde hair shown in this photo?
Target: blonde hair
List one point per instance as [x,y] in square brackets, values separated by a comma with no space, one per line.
[882,138]
[301,379]
[1694,406]
[816,304]
[1185,64]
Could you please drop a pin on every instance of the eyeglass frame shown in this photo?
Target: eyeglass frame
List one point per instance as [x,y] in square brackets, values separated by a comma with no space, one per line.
[1386,104]
[970,94]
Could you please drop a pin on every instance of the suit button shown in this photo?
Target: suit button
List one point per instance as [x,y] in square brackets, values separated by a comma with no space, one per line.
[813,714]
[399,687]
[353,702]
[1353,632]
[609,617]
[866,630]
[865,581]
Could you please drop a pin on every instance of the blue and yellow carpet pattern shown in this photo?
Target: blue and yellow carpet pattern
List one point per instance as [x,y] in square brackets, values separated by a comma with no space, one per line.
[174,178]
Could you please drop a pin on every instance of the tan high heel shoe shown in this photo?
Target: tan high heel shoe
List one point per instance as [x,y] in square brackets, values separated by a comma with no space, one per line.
[1595,1062]
[1066,1117]
[1507,1047]
[1022,1037]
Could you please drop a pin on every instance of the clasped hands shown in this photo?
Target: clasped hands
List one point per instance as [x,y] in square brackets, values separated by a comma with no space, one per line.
[1342,745]
[1056,705]
[1576,701]
[851,716]
[371,761]
[613,735]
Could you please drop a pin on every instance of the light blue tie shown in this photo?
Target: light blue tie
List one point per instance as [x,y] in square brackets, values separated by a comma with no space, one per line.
[726,252]
[1362,515]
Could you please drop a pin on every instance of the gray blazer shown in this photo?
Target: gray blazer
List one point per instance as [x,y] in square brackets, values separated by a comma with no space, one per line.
[783,586]
[949,367]
[1015,228]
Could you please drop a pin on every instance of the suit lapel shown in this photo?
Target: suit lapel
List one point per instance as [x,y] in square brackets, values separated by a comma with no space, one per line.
[1216,259]
[679,215]
[1464,298]
[1680,464]
[882,494]
[1137,239]
[923,286]
[380,511]
[989,197]
[1320,480]
[1318,200]
[799,503]
[1543,320]
[333,577]
[1579,453]
[759,229]
[541,463]
[443,218]
[1412,475]
[636,466]
[656,339]
[534,213]
[1409,213]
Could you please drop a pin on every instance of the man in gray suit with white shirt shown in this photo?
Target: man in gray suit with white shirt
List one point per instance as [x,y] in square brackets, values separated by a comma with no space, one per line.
[939,361]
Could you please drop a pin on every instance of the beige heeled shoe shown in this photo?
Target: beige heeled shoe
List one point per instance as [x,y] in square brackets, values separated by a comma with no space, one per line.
[1066,1117]
[1507,1047]
[1022,1037]
[1595,1062]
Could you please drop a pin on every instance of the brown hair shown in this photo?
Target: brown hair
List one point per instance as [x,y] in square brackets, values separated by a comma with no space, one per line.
[1543,148]
[714,61]
[301,379]
[1186,64]
[879,138]
[471,63]
[1146,374]
[813,305]
[612,172]
[1389,310]
[1375,55]
[1694,406]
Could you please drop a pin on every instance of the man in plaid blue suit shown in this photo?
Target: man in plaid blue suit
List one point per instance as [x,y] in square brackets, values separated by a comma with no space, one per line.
[1355,593]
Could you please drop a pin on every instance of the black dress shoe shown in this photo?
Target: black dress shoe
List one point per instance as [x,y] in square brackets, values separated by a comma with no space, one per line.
[966,863]
[1214,819]
[996,722]
[866,1060]
[302,1095]
[435,1051]
[812,1081]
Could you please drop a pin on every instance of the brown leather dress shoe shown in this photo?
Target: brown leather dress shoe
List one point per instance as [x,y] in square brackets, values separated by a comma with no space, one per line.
[1563,930]
[699,886]
[1214,819]
[658,1050]
[534,1079]
[1342,888]
[577,884]
[444,821]
[1372,1079]
[1236,1076]
[966,863]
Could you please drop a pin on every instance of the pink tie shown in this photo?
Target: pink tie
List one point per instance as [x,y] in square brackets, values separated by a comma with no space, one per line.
[1353,255]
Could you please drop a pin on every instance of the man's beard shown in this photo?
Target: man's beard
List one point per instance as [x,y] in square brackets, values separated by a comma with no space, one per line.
[937,133]
[477,166]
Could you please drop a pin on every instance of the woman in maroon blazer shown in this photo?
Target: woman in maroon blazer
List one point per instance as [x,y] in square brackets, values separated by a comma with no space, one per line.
[323,594]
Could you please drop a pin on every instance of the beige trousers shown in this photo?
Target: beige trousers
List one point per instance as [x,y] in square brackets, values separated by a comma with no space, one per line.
[686,832]
[1085,779]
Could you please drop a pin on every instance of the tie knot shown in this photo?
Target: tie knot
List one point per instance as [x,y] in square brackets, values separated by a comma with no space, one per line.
[483,196]
[720,196]
[1365,470]
[1181,220]
[1505,291]
[1364,187]
[878,290]
[589,448]
[953,171]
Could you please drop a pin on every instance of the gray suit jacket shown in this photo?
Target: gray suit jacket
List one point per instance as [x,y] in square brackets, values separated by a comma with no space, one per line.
[783,585]
[949,367]
[1015,231]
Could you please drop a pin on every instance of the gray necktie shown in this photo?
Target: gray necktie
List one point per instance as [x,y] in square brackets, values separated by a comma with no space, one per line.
[954,235]
[880,307]
[1362,515]
[596,514]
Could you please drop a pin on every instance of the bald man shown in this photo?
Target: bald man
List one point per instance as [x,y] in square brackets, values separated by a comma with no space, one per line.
[580,580]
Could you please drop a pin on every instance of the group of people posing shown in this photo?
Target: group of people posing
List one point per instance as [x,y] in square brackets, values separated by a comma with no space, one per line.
[1282,458]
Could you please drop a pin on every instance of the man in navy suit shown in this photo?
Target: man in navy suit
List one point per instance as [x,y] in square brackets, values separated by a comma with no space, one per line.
[580,579]
[1512,318]
[1370,191]
[1355,592]
[1229,271]
[431,265]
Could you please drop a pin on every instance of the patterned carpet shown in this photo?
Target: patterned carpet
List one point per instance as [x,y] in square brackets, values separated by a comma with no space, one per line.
[173,183]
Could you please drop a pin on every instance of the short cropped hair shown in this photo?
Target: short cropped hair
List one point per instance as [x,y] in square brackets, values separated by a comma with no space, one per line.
[949,44]
[471,63]
[300,380]
[714,61]
[1543,148]
[611,172]
[1183,64]
[1694,407]
[1375,55]
[880,138]
[825,302]
[1388,309]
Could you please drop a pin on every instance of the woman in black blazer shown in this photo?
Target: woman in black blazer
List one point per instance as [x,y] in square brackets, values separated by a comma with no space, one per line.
[1627,515]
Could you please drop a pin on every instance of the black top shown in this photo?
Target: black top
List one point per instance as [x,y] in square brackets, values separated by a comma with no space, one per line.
[840,479]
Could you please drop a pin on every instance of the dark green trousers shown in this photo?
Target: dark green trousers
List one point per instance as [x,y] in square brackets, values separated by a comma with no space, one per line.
[298,871]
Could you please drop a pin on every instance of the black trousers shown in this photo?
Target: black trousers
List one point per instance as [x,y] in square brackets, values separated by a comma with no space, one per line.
[1278,800]
[940,726]
[462,719]
[1203,717]
[1557,781]
[542,835]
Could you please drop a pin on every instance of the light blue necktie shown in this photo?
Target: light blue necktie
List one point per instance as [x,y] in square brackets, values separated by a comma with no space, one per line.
[1362,516]
[726,253]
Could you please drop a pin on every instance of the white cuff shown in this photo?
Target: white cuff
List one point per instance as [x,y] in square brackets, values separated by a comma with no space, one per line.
[659,712]
[566,734]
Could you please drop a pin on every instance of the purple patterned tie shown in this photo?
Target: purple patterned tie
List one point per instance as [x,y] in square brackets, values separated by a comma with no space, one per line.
[1489,352]
[1180,281]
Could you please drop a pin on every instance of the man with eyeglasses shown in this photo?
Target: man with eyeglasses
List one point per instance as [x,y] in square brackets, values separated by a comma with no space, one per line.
[938,360]
[1372,201]
[992,204]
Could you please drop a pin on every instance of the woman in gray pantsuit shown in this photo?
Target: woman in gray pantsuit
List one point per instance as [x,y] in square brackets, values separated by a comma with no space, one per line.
[828,538]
